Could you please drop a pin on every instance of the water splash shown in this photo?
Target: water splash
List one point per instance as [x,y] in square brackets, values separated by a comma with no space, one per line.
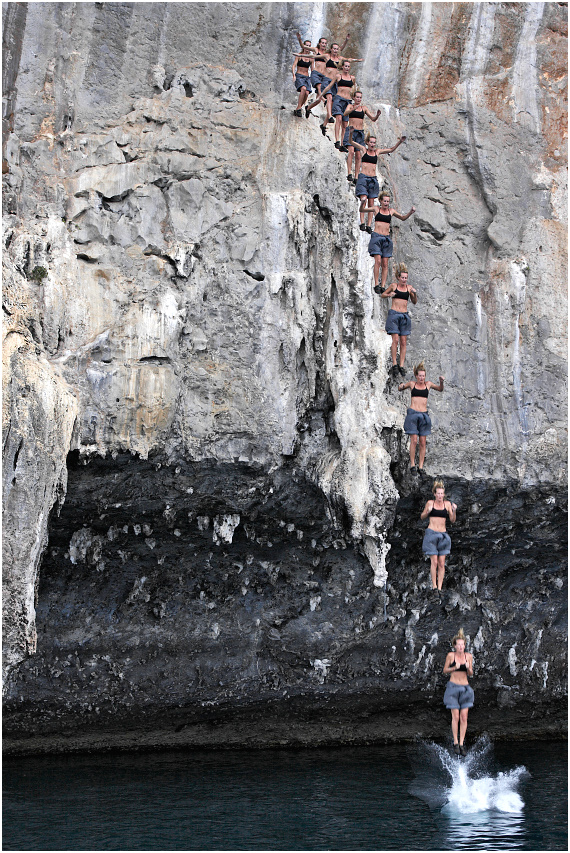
[465,785]
[479,807]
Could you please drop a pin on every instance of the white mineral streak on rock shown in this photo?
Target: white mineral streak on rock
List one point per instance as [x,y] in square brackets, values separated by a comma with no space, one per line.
[422,43]
[376,550]
[311,22]
[224,528]
[476,52]
[480,356]
[513,660]
[518,270]
[471,89]
[79,543]
[544,667]
[383,51]
[39,413]
[321,668]
[526,109]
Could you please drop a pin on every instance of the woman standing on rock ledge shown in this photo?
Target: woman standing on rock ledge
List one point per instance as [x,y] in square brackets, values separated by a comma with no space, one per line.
[302,67]
[418,422]
[437,542]
[458,696]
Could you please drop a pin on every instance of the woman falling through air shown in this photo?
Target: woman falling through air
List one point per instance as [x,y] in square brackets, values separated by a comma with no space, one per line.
[458,696]
[437,541]
[418,422]
[380,246]
[398,322]
[355,114]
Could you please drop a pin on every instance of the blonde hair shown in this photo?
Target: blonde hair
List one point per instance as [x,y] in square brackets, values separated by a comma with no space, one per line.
[438,484]
[418,367]
[459,636]
[369,136]
[400,268]
[385,193]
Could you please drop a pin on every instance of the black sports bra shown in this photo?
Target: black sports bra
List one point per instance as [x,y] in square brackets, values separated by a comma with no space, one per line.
[357,114]
[438,513]
[302,63]
[344,84]
[462,666]
[401,294]
[368,158]
[383,217]
[330,64]
[420,393]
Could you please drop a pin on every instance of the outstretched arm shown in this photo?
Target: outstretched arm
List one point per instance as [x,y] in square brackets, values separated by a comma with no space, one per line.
[345,42]
[362,208]
[435,387]
[303,47]
[350,59]
[369,114]
[393,148]
[403,216]
[404,385]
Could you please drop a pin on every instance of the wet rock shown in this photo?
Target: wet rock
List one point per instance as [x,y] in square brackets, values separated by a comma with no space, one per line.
[207,302]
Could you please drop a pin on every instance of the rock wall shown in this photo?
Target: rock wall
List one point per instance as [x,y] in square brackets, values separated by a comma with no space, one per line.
[190,329]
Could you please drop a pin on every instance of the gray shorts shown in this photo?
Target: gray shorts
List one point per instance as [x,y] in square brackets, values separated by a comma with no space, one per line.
[380,245]
[357,136]
[417,423]
[436,543]
[324,83]
[367,186]
[339,105]
[458,696]
[302,82]
[398,322]
[318,79]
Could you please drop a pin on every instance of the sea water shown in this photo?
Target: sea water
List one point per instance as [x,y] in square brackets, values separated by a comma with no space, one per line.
[415,797]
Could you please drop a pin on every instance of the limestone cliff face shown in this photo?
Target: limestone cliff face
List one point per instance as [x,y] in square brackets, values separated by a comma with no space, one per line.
[187,287]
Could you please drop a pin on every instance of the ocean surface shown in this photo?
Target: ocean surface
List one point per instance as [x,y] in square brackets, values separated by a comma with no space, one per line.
[414,797]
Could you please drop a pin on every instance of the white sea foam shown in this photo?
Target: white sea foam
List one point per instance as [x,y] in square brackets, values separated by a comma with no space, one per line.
[468,795]
[465,786]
